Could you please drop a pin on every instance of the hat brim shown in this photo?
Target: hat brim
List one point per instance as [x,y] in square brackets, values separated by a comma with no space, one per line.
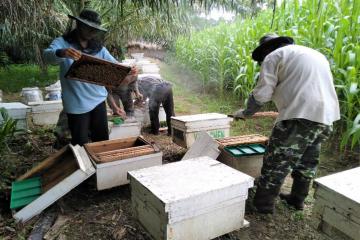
[259,53]
[88,23]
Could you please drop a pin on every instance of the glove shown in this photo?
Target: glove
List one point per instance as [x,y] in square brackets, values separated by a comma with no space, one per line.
[239,114]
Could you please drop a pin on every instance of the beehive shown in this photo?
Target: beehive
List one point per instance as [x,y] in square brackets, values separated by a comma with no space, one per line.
[244,153]
[337,204]
[17,111]
[199,198]
[45,112]
[114,158]
[186,128]
[124,130]
[59,174]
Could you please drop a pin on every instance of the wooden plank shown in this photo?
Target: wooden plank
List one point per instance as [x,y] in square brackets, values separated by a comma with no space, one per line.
[126,150]
[341,223]
[244,139]
[47,163]
[109,145]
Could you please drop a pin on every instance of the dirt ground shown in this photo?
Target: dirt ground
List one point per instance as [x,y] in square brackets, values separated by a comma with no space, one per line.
[86,213]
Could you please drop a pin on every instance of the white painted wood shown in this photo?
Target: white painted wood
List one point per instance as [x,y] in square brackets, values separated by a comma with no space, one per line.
[216,222]
[186,139]
[179,200]
[45,112]
[114,173]
[46,106]
[17,111]
[250,165]
[204,145]
[346,183]
[186,128]
[337,203]
[60,189]
[125,130]
[342,223]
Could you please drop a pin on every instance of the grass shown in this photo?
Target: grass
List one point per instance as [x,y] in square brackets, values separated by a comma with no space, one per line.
[189,98]
[18,76]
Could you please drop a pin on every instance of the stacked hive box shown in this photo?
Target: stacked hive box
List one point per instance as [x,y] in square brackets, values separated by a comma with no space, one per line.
[186,128]
[45,112]
[17,111]
[234,153]
[124,130]
[114,158]
[199,198]
[337,204]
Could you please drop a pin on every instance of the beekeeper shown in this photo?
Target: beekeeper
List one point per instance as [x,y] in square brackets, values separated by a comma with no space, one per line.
[299,81]
[84,103]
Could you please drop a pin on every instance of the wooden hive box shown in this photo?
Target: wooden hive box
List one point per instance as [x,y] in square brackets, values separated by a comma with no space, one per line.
[124,130]
[233,155]
[114,158]
[17,111]
[186,128]
[337,204]
[97,71]
[59,174]
[45,112]
[199,198]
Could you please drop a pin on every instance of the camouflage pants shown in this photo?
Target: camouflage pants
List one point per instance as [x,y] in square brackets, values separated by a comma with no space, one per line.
[294,145]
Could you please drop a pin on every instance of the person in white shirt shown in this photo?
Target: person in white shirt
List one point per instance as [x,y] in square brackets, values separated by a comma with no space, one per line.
[298,80]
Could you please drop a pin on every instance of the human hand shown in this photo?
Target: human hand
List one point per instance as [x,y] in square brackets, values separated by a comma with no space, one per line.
[120,112]
[134,71]
[70,53]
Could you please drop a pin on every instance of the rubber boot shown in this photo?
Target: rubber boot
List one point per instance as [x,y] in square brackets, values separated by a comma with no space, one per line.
[264,199]
[299,191]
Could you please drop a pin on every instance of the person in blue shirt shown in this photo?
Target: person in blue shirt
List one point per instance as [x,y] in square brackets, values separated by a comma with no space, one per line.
[84,103]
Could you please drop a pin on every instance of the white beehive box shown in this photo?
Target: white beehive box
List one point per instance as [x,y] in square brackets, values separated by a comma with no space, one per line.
[45,112]
[199,198]
[337,204]
[114,158]
[59,173]
[17,111]
[150,68]
[186,128]
[125,130]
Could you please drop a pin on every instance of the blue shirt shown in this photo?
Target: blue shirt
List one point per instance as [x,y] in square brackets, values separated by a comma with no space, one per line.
[77,97]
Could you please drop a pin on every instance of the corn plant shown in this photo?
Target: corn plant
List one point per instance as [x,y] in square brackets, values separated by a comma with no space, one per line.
[222,54]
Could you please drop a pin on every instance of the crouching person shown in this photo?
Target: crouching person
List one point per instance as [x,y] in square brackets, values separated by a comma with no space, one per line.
[159,93]
[299,81]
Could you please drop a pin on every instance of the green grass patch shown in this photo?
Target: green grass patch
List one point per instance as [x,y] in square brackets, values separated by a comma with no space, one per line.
[190,98]
[18,76]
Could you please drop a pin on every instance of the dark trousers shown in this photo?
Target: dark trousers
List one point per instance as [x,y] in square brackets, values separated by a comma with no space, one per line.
[92,124]
[162,95]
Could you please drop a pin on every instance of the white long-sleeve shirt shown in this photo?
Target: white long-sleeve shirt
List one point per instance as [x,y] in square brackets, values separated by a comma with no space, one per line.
[299,81]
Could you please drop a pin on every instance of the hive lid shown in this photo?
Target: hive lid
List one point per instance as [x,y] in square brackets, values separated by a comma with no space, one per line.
[246,150]
[346,183]
[200,117]
[85,170]
[24,192]
[186,188]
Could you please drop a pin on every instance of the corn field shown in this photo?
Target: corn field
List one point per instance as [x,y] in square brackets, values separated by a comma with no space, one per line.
[222,54]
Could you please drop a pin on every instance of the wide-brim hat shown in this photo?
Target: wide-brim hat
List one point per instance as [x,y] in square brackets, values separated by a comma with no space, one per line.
[89,18]
[269,41]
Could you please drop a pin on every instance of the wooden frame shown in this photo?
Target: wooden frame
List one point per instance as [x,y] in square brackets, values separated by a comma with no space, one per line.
[97,71]
[119,149]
